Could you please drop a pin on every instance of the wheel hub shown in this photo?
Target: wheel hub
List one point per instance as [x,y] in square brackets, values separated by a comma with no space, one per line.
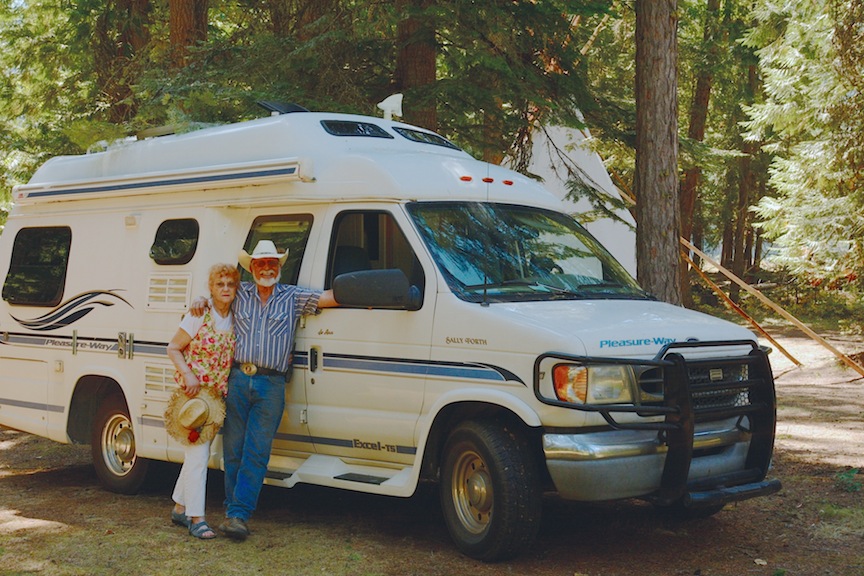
[477,488]
[124,444]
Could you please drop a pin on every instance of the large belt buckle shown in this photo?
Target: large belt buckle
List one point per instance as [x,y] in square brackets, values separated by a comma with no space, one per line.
[248,368]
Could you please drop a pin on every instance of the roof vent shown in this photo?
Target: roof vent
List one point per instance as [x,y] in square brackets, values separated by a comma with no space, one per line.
[277,108]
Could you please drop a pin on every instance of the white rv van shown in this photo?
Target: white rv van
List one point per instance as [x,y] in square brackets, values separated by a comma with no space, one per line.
[485,341]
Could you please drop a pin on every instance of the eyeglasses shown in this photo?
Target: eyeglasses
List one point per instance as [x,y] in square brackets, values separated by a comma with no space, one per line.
[265,263]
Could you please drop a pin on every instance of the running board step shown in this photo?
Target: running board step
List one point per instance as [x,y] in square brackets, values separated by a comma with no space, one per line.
[364,478]
[321,470]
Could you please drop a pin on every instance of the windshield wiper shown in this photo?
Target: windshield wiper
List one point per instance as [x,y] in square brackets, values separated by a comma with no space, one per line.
[528,283]
[604,287]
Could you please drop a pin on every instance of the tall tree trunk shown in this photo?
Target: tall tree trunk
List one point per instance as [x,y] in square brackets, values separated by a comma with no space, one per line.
[656,182]
[296,17]
[746,190]
[727,250]
[187,24]
[745,186]
[281,17]
[122,34]
[696,131]
[415,62]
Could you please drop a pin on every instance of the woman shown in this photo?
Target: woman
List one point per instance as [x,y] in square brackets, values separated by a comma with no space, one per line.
[201,351]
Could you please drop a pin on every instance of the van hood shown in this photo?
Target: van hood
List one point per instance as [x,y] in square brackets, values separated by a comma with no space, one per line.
[624,328]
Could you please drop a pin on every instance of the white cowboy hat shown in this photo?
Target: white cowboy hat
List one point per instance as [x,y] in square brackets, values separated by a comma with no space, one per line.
[197,419]
[264,249]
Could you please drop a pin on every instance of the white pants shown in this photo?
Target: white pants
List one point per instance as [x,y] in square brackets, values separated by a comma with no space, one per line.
[191,488]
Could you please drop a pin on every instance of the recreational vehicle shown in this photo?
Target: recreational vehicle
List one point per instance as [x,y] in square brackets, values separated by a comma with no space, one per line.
[485,340]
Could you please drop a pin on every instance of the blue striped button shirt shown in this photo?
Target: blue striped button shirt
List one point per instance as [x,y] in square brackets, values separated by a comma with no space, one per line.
[265,334]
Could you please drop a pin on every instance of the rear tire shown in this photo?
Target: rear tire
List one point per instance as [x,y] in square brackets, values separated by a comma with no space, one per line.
[112,447]
[490,491]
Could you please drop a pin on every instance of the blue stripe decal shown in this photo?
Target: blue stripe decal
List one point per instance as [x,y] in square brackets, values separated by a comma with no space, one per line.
[341,443]
[428,368]
[386,366]
[169,182]
[31,405]
[84,344]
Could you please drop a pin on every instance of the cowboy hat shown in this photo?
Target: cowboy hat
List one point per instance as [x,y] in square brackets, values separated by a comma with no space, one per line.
[264,249]
[197,419]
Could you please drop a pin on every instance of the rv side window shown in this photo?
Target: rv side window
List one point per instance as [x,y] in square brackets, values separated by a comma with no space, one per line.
[289,232]
[368,240]
[175,242]
[37,271]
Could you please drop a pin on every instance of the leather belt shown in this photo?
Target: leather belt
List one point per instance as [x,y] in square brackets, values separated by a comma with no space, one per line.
[250,369]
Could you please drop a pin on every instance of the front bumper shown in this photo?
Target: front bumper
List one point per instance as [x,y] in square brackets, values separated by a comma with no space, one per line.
[619,464]
[699,455]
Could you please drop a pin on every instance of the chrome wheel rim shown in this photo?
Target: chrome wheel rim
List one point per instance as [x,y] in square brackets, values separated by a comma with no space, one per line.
[472,492]
[118,445]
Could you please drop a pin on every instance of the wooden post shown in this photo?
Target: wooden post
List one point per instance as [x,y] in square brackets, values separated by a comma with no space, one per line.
[738,309]
[764,299]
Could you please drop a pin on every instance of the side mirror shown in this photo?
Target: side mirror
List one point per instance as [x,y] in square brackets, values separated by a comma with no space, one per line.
[376,289]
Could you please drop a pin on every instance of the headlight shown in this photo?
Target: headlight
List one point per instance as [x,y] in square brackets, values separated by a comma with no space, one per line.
[595,384]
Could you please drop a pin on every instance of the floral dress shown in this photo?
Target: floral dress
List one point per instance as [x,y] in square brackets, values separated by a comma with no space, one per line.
[209,355]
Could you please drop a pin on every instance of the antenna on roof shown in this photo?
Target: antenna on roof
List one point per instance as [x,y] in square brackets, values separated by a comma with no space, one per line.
[277,108]
[391,105]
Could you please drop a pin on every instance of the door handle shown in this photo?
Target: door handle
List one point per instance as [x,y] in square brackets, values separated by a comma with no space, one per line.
[313,359]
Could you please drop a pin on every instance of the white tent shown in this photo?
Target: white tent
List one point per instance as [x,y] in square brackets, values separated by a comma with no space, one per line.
[558,151]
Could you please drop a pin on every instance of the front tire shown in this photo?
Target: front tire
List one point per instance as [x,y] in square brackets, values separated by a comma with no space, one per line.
[112,447]
[490,491]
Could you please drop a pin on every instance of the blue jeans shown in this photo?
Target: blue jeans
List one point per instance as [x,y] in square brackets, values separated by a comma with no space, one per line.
[253,410]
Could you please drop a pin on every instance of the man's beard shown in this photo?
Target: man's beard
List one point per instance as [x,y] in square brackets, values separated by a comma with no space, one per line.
[267,282]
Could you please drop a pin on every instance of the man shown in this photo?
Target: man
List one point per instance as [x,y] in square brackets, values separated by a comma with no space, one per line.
[265,318]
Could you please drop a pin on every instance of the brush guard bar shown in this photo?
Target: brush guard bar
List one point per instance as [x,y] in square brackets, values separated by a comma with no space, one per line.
[681,409]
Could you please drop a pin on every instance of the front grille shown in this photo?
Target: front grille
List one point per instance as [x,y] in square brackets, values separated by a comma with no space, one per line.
[716,380]
[715,385]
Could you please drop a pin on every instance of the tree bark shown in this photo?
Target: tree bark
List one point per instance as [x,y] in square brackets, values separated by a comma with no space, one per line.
[415,63]
[296,17]
[746,190]
[121,35]
[696,131]
[656,181]
[187,22]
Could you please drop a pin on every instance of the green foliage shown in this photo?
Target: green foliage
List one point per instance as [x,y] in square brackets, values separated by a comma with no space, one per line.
[824,306]
[847,482]
[811,60]
[76,73]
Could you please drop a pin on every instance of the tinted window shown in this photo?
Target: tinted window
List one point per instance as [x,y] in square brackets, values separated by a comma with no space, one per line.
[175,242]
[370,240]
[507,253]
[288,232]
[424,137]
[353,128]
[37,272]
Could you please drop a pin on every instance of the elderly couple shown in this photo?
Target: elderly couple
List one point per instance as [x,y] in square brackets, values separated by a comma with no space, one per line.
[236,345]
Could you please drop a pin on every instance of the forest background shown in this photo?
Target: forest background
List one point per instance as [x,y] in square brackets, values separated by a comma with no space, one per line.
[771,110]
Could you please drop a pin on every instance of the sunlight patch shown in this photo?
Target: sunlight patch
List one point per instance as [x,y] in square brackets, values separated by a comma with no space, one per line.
[824,442]
[11,522]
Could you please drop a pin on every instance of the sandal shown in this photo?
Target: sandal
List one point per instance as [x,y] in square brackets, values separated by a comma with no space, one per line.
[202,530]
[180,519]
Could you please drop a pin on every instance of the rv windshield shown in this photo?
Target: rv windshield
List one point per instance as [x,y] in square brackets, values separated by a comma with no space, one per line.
[508,253]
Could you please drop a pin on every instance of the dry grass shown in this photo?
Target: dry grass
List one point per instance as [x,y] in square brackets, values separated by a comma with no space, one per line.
[55,520]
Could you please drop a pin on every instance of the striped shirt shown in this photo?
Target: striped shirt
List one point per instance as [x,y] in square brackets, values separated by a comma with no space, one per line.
[265,334]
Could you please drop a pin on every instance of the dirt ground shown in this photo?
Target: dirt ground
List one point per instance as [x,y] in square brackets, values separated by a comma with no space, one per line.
[56,520]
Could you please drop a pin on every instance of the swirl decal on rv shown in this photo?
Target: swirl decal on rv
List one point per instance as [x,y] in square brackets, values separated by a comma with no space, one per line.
[71,310]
